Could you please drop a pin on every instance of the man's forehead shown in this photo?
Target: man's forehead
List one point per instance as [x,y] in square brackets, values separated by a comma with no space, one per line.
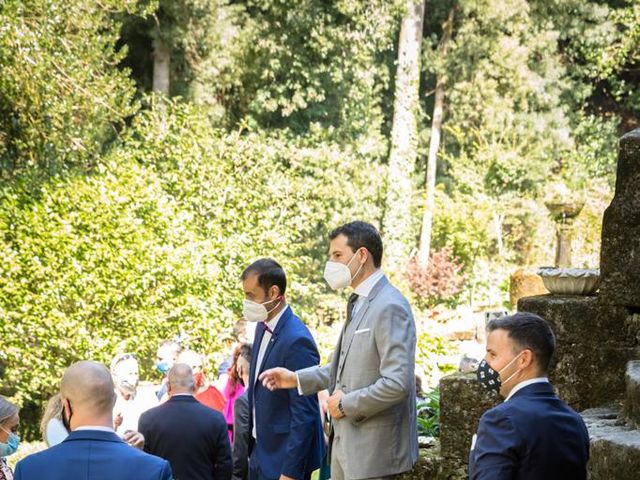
[498,339]
[339,243]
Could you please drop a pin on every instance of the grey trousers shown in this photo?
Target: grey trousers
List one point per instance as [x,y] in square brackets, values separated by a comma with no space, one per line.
[337,473]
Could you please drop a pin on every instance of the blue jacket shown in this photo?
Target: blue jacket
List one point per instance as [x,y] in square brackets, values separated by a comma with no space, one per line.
[532,436]
[288,428]
[92,455]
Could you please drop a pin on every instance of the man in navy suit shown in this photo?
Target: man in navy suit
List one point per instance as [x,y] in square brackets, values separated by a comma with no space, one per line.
[92,451]
[192,436]
[285,427]
[532,435]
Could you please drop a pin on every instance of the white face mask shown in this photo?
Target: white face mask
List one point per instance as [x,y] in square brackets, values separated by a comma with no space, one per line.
[257,312]
[338,275]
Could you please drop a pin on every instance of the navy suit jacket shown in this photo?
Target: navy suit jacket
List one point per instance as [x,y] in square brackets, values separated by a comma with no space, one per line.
[532,436]
[192,436]
[92,455]
[288,428]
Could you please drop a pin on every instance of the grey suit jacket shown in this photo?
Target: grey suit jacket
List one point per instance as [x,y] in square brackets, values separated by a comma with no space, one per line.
[373,364]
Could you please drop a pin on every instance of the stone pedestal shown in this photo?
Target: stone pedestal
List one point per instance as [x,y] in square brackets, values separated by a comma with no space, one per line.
[462,402]
[524,283]
[593,345]
[620,252]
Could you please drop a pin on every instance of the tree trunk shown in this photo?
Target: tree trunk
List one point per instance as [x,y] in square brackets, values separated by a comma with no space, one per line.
[404,137]
[161,66]
[434,145]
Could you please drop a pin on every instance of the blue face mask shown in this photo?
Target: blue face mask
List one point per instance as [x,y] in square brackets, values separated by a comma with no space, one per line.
[163,367]
[11,446]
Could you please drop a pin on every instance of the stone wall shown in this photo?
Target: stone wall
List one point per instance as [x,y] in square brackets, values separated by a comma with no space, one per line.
[462,402]
[593,345]
[620,252]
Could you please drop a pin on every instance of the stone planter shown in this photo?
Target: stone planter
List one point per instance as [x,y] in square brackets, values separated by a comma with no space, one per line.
[570,281]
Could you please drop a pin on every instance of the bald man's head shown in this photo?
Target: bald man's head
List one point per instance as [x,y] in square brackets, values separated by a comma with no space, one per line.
[181,379]
[89,388]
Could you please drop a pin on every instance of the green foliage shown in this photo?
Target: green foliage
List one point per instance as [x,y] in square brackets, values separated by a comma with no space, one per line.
[60,97]
[429,414]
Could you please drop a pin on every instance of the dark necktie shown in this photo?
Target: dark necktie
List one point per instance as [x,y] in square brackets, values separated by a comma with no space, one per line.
[267,328]
[353,298]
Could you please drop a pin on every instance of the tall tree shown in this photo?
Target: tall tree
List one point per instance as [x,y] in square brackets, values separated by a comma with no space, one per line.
[434,145]
[404,136]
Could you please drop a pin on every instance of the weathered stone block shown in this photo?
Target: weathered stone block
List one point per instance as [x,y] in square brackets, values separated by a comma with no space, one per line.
[578,319]
[462,402]
[594,342]
[620,252]
[632,396]
[431,466]
[589,375]
[615,448]
[524,283]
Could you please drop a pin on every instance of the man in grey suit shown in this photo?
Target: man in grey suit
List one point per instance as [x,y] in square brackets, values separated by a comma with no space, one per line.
[371,373]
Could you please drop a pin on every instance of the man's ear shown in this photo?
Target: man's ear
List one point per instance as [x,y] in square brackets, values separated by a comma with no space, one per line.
[526,359]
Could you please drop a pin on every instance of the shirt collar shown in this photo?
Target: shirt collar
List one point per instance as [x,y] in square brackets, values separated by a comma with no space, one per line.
[182,395]
[364,289]
[274,321]
[94,427]
[526,383]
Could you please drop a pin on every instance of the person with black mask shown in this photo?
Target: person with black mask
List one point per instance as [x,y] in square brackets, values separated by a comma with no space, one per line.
[533,434]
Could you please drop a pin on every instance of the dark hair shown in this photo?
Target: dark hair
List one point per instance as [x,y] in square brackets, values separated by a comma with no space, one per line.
[244,350]
[528,331]
[361,234]
[269,273]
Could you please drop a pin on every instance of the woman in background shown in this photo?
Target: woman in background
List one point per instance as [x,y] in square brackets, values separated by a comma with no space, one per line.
[9,439]
[232,390]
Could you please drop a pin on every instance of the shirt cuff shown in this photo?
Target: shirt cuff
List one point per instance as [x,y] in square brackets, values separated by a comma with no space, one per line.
[298,382]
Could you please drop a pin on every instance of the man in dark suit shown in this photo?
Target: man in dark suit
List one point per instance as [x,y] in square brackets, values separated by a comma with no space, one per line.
[192,436]
[92,451]
[286,427]
[533,434]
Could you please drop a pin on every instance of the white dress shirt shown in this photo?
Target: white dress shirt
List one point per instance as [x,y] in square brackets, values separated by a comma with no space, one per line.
[266,338]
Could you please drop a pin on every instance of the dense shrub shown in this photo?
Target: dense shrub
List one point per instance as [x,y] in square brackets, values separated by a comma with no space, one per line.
[441,281]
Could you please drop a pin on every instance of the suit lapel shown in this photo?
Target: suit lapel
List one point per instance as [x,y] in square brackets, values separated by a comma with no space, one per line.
[274,338]
[350,329]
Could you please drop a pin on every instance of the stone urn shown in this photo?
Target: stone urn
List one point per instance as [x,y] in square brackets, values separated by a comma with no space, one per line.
[564,206]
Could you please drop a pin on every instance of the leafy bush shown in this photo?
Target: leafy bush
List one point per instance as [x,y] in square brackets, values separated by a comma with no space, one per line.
[440,281]
[429,414]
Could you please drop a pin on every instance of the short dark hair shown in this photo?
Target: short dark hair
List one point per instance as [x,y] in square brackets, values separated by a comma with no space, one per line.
[361,234]
[269,273]
[528,331]
[246,350]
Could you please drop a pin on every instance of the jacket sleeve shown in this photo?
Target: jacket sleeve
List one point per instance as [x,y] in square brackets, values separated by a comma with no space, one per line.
[304,412]
[223,465]
[166,473]
[495,454]
[241,438]
[395,338]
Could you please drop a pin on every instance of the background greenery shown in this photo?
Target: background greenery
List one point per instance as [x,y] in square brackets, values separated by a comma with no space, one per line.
[126,217]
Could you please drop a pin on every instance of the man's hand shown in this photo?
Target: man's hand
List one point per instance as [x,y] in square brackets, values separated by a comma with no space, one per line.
[284,477]
[332,404]
[135,439]
[278,377]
